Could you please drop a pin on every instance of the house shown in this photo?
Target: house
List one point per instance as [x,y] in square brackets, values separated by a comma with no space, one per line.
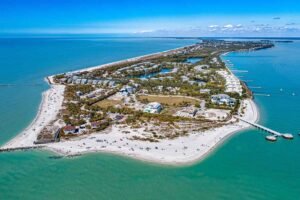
[79,93]
[153,107]
[70,129]
[222,99]
[63,80]
[204,91]
[94,82]
[83,81]
[77,81]
[127,90]
[105,82]
[90,96]
[111,83]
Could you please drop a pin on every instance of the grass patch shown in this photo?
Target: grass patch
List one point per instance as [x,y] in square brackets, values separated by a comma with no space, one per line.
[108,103]
[168,100]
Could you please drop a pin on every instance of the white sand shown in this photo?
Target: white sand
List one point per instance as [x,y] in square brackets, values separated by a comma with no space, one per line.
[48,110]
[180,151]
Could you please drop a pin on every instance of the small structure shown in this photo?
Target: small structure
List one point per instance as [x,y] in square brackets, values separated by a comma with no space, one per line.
[222,99]
[288,136]
[127,90]
[153,107]
[69,130]
[79,93]
[271,138]
[204,91]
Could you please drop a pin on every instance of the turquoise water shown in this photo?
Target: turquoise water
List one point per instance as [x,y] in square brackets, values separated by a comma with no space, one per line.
[244,167]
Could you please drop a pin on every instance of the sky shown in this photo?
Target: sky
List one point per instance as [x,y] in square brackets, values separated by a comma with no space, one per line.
[197,18]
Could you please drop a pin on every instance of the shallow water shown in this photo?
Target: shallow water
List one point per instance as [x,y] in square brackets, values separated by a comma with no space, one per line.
[244,167]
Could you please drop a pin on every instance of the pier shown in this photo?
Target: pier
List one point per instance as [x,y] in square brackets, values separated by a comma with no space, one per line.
[239,71]
[275,133]
[20,148]
[261,94]
[255,87]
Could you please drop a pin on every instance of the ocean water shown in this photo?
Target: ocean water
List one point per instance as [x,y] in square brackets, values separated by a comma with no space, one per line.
[244,167]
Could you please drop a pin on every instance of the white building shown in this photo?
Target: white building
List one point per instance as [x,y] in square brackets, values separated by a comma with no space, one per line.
[233,84]
[222,99]
[153,107]
[127,90]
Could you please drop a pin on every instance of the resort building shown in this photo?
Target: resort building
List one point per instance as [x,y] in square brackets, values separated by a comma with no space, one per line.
[153,107]
[222,99]
[127,90]
[233,84]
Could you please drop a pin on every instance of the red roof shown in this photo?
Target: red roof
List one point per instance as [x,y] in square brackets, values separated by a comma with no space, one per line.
[69,128]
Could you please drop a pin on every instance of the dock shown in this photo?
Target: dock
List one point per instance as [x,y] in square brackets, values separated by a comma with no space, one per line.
[239,71]
[275,133]
[261,94]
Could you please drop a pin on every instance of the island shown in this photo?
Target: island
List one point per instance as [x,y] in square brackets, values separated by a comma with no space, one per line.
[171,107]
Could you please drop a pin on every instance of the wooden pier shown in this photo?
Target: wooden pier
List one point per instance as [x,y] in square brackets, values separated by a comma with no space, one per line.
[275,133]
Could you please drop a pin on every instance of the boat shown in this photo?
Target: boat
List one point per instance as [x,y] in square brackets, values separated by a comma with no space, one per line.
[287,136]
[271,138]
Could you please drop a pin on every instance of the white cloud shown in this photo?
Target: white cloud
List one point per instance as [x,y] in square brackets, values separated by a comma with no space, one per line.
[144,31]
[213,26]
[228,26]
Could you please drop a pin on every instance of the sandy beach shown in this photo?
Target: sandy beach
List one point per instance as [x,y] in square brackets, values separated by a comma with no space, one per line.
[134,59]
[180,151]
[49,108]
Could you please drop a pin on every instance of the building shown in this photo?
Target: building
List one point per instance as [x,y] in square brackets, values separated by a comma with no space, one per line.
[153,107]
[204,91]
[233,84]
[222,99]
[79,93]
[127,90]
[70,129]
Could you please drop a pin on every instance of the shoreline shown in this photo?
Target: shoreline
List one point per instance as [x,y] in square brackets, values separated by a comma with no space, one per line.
[213,138]
[133,59]
[48,109]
